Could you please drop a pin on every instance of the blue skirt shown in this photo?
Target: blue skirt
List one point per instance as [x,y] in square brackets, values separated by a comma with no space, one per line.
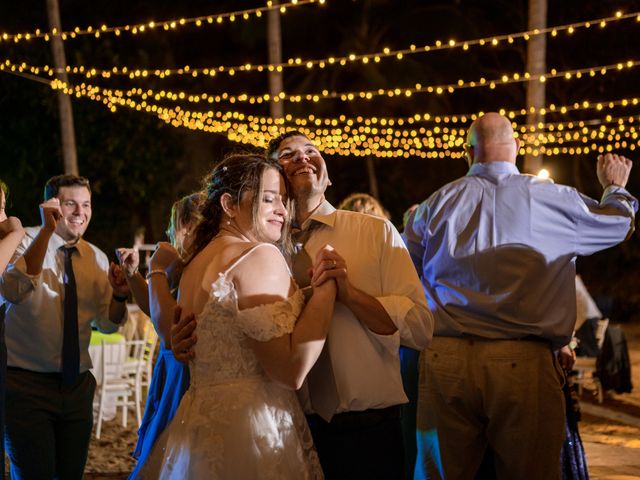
[169,383]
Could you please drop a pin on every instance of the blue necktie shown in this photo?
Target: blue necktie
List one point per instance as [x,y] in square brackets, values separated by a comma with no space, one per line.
[70,343]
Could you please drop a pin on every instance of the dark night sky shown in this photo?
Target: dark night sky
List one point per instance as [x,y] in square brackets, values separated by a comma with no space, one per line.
[138,166]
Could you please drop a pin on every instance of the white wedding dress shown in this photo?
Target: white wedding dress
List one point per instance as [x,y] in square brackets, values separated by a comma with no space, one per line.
[234,422]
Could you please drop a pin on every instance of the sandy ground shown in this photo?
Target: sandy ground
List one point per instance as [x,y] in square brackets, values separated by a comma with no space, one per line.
[610,432]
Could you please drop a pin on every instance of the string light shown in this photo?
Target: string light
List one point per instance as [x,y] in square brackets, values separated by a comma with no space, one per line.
[339,61]
[439,142]
[370,94]
[141,28]
[410,119]
[357,123]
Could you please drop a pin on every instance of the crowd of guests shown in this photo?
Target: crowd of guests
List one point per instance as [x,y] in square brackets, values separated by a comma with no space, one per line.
[303,341]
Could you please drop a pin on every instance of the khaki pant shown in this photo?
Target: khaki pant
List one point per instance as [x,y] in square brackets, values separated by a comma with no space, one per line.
[475,394]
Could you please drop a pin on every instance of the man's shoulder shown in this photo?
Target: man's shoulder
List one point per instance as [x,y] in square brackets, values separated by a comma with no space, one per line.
[546,185]
[444,192]
[350,219]
[94,252]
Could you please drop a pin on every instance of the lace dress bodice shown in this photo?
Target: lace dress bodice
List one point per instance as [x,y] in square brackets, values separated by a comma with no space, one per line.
[222,352]
[235,422]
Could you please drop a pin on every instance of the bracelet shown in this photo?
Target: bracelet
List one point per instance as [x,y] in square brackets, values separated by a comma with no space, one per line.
[156,271]
[118,298]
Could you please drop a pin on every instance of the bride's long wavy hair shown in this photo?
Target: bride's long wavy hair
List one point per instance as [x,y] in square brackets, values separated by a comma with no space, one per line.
[237,175]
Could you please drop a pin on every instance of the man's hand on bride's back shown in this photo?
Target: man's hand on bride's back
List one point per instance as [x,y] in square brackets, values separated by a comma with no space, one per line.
[183,336]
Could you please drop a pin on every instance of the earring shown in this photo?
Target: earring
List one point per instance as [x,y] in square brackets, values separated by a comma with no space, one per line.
[228,222]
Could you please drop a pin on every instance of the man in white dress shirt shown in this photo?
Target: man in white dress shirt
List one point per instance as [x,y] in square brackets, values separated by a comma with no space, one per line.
[380,306]
[56,287]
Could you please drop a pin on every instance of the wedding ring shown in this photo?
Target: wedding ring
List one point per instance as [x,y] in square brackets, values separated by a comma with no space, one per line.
[334,264]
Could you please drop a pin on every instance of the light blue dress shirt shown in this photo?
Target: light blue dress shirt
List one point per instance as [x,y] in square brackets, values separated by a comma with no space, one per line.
[495,251]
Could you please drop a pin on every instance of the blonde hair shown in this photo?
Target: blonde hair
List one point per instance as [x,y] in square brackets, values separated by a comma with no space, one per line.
[364,203]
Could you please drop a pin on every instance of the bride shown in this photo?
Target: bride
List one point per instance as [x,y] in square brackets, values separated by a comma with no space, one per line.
[240,418]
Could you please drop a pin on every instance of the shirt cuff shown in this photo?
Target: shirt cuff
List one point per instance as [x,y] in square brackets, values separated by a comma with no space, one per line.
[618,191]
[20,267]
[397,307]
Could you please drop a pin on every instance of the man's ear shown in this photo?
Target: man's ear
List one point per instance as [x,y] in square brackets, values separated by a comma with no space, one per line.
[228,205]
[467,154]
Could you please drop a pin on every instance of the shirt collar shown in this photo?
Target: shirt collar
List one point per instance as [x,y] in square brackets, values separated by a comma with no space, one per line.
[324,213]
[493,169]
[56,242]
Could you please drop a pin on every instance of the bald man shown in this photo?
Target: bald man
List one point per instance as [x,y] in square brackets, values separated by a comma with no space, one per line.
[495,251]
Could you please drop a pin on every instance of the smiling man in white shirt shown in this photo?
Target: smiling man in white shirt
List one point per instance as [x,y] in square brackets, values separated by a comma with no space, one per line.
[56,287]
[354,391]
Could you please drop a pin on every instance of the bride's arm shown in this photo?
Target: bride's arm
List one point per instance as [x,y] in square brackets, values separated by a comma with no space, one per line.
[288,358]
[11,233]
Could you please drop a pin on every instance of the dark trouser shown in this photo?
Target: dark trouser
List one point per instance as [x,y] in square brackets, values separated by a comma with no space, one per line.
[48,425]
[360,445]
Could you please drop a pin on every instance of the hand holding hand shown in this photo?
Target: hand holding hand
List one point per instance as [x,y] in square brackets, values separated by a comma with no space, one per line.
[50,214]
[329,265]
[118,281]
[183,337]
[129,259]
[613,169]
[10,225]
[163,257]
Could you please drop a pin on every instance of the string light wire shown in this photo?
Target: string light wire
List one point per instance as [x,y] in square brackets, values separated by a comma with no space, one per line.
[141,28]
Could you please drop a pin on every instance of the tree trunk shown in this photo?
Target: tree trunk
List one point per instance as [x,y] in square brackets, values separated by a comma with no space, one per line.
[274,41]
[64,101]
[536,65]
[373,178]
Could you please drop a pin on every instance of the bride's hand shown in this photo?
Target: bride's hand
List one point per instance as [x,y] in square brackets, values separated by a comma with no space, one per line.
[329,265]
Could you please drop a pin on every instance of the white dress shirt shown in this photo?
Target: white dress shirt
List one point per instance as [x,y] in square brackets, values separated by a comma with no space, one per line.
[35,304]
[366,365]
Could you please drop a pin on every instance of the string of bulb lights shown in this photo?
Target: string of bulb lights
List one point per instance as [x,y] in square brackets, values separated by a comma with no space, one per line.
[424,117]
[141,28]
[599,106]
[438,141]
[340,61]
[433,143]
[568,75]
[375,136]
[87,89]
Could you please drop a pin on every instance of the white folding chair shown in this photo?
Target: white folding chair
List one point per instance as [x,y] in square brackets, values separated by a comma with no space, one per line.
[585,367]
[116,387]
[138,367]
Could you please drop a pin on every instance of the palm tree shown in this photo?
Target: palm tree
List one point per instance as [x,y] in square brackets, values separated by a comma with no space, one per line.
[536,65]
[64,101]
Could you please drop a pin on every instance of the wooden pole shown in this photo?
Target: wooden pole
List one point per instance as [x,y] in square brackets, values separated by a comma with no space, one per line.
[64,101]
[536,65]
[274,42]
